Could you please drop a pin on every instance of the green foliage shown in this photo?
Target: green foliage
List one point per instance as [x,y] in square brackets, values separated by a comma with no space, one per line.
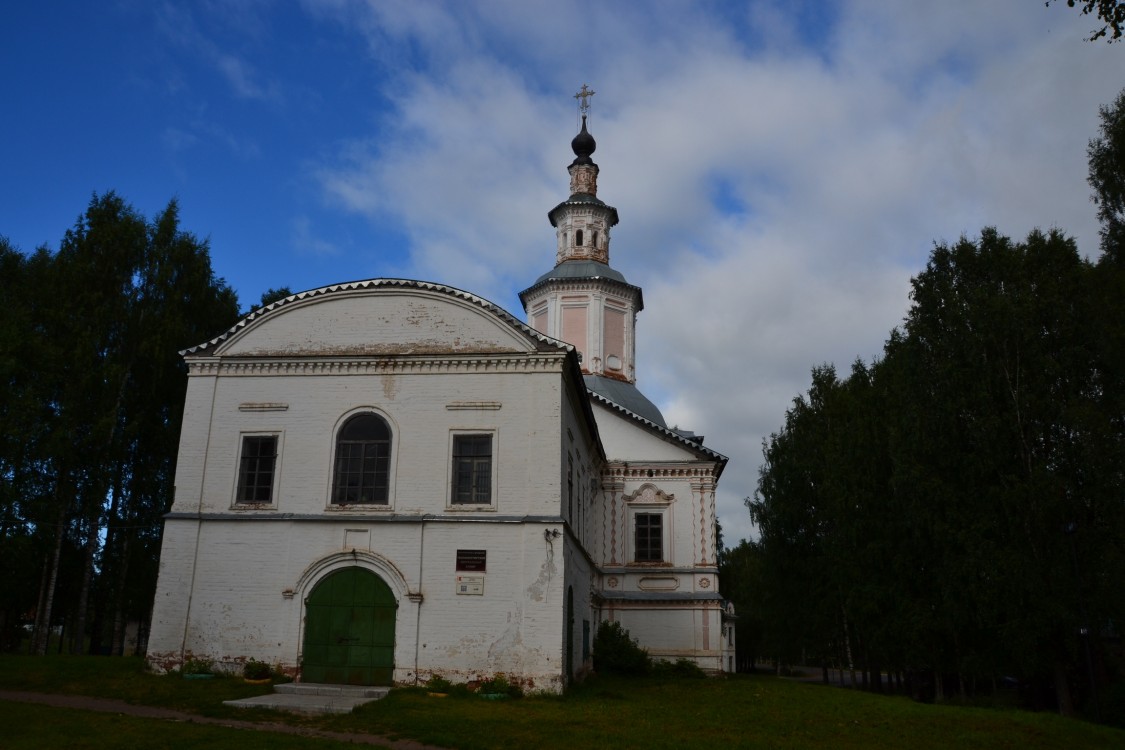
[257,670]
[1106,155]
[741,578]
[615,652]
[1110,12]
[270,296]
[198,666]
[438,684]
[91,397]
[678,669]
[953,512]
[498,684]
[913,515]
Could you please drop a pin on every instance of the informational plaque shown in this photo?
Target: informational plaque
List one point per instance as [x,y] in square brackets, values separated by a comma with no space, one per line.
[471,560]
[470,585]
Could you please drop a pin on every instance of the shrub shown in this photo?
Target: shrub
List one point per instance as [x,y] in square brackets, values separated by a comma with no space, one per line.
[438,684]
[679,668]
[615,652]
[198,666]
[256,670]
[499,685]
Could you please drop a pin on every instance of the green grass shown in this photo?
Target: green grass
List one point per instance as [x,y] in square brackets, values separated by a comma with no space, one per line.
[31,727]
[124,679]
[744,711]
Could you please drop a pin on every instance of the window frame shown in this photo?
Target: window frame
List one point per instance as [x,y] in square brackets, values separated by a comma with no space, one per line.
[648,498]
[242,457]
[658,515]
[334,468]
[453,483]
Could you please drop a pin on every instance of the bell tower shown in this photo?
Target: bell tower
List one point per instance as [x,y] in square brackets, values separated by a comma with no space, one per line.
[582,300]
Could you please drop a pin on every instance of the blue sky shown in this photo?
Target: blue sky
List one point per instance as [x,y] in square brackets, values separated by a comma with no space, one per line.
[781,168]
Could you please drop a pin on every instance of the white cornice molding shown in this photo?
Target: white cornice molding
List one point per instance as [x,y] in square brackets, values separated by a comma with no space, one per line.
[592,283]
[290,366]
[632,471]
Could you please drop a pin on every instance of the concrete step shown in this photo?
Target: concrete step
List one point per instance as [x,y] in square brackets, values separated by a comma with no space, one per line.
[314,698]
[313,688]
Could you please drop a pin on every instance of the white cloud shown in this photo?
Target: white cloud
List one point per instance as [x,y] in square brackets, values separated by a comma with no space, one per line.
[179,25]
[305,241]
[777,184]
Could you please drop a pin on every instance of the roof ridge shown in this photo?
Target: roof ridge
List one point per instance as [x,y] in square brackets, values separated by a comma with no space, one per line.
[376,283]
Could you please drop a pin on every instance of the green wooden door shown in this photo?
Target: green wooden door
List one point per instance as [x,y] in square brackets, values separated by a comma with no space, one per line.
[350,630]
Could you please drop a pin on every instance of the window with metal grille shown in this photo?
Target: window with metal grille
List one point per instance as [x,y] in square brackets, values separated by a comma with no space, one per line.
[649,537]
[472,470]
[256,469]
[363,459]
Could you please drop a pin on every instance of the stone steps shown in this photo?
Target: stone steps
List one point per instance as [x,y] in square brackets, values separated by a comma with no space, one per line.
[307,697]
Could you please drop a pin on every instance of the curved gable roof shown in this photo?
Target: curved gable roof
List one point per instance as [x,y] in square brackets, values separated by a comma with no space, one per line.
[402,317]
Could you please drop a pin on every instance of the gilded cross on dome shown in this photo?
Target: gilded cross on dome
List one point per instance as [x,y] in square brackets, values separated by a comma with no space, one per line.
[583,98]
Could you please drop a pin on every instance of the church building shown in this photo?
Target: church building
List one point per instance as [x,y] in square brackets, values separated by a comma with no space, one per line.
[386,480]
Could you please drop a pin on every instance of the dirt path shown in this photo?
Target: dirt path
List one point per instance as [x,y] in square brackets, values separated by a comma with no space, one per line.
[105,705]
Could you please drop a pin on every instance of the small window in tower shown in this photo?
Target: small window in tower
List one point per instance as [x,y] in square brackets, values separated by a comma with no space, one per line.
[594,239]
[578,238]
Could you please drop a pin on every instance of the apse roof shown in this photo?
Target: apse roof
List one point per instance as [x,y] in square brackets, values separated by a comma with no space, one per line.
[627,399]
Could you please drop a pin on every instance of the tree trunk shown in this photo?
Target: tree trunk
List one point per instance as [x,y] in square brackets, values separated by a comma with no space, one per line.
[47,593]
[848,644]
[78,632]
[1062,689]
[119,619]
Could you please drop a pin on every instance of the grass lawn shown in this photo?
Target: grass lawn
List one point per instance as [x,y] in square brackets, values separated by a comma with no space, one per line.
[743,711]
[31,727]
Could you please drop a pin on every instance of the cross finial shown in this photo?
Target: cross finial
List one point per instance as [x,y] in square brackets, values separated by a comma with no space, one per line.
[583,98]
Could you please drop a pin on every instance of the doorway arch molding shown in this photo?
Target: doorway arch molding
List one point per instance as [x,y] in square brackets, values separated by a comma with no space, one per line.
[376,563]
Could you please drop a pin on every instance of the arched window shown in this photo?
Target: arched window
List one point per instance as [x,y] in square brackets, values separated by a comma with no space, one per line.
[363,459]
[578,238]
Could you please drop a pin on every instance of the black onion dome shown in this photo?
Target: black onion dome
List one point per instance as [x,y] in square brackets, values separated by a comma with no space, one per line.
[583,145]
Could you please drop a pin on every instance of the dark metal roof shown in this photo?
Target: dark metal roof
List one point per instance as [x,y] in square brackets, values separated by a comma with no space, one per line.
[582,269]
[626,395]
[626,399]
[581,199]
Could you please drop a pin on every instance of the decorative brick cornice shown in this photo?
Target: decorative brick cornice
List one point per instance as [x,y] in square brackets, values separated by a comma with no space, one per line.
[587,284]
[313,365]
[631,472]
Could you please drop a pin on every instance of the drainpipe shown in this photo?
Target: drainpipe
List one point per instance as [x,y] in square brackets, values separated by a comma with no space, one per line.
[198,520]
[418,615]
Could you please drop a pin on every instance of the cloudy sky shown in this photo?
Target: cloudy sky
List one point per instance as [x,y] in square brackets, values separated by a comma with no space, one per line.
[781,168]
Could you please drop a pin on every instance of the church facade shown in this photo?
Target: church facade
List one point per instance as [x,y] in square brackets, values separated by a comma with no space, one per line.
[387,480]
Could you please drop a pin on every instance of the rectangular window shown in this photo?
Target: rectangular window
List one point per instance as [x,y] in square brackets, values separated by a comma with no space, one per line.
[649,537]
[256,470]
[472,470]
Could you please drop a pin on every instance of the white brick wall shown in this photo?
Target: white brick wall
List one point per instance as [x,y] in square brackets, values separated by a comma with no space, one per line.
[233,580]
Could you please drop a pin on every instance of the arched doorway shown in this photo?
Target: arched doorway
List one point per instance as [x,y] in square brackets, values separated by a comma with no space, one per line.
[349,630]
